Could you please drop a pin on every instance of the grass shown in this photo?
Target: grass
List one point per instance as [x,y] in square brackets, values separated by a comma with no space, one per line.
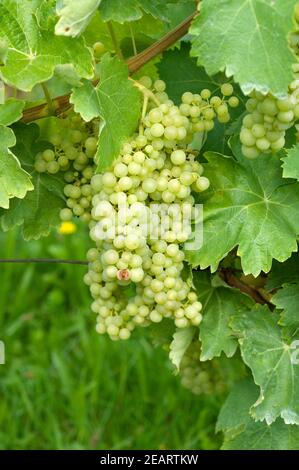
[65,387]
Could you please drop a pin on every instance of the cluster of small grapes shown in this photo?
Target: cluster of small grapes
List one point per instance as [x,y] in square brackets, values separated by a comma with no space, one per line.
[155,171]
[197,113]
[202,378]
[264,127]
[72,152]
[268,119]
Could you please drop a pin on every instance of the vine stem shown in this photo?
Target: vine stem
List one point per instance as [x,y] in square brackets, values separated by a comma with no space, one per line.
[43,260]
[226,274]
[62,104]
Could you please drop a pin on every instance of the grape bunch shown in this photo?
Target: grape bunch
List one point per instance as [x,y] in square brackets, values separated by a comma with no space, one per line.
[268,119]
[202,378]
[142,208]
[72,152]
[264,127]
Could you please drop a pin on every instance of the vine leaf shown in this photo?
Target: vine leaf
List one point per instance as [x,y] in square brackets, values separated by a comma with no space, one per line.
[117,101]
[132,10]
[180,72]
[85,101]
[250,206]
[11,111]
[182,339]
[287,299]
[220,303]
[14,181]
[237,36]
[271,360]
[243,433]
[291,163]
[283,274]
[33,53]
[39,210]
[75,16]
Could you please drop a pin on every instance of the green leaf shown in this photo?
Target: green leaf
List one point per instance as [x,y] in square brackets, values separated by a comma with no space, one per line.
[85,101]
[219,305]
[181,73]
[250,206]
[132,10]
[11,111]
[161,334]
[39,210]
[287,272]
[231,421]
[120,11]
[287,299]
[291,163]
[272,363]
[117,101]
[75,16]
[34,53]
[182,339]
[243,433]
[14,181]
[237,36]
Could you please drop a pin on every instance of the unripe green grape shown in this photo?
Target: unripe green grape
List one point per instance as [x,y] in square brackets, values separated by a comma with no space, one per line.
[222,110]
[170,133]
[227,89]
[48,155]
[63,161]
[247,138]
[146,81]
[285,116]
[76,136]
[278,144]
[53,167]
[98,49]
[187,98]
[258,131]
[262,144]
[250,152]
[205,94]
[66,214]
[269,107]
[78,210]
[202,183]
[233,101]
[40,166]
[157,130]
[209,125]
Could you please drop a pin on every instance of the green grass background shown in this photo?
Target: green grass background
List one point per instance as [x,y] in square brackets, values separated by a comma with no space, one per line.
[65,387]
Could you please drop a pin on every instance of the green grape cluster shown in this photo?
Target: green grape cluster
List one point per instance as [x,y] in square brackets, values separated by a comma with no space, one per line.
[264,127]
[268,119]
[134,246]
[73,150]
[202,378]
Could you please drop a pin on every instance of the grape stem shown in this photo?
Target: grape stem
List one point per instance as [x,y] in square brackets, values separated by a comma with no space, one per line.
[62,104]
[50,104]
[145,91]
[43,260]
[228,276]
[114,40]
